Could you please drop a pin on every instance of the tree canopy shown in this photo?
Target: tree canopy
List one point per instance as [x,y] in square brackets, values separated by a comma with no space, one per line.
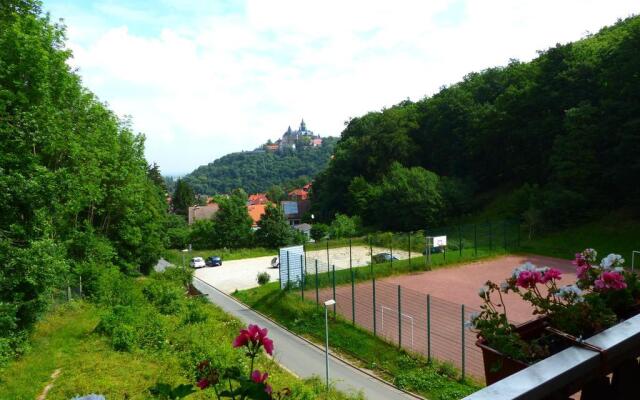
[566,123]
[76,194]
[258,171]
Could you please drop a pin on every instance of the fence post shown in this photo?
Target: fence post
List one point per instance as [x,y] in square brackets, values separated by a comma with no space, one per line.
[328,263]
[475,240]
[373,282]
[302,276]
[504,234]
[429,327]
[333,267]
[399,316]
[288,272]
[518,230]
[391,251]
[490,237]
[353,297]
[80,286]
[370,250]
[462,331]
[317,294]
[409,249]
[460,239]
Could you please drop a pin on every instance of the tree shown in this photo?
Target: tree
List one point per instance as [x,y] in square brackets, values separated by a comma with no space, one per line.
[183,198]
[319,231]
[232,222]
[153,172]
[274,230]
[276,194]
[344,226]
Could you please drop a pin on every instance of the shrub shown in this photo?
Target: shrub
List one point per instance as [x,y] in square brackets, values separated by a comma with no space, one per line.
[123,338]
[263,278]
[166,296]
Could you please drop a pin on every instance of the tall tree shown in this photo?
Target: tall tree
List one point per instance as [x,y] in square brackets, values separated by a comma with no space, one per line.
[274,230]
[232,222]
[183,198]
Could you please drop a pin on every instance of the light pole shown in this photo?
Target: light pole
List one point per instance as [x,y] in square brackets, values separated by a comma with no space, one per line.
[327,304]
[183,251]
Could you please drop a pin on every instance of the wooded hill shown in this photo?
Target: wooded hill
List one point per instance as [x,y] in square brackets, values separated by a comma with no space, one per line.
[257,171]
[560,135]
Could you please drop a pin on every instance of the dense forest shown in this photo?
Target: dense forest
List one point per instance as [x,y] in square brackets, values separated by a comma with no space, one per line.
[257,171]
[558,138]
[77,197]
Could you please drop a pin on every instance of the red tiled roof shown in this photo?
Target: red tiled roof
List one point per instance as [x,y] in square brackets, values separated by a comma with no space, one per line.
[258,198]
[256,211]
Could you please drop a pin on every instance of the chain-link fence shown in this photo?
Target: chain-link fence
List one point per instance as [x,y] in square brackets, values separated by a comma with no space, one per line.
[349,271]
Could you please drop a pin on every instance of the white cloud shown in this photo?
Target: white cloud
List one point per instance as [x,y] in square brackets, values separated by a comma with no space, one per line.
[222,83]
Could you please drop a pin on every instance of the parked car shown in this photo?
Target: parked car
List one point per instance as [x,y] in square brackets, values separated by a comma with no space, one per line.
[383,257]
[197,262]
[434,250]
[213,261]
[275,262]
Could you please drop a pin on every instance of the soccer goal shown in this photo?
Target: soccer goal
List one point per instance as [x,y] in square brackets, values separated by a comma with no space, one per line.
[391,311]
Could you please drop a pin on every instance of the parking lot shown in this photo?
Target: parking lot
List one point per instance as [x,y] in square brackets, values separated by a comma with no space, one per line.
[242,274]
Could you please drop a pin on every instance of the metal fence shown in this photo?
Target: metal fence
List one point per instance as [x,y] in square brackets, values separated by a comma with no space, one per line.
[348,271]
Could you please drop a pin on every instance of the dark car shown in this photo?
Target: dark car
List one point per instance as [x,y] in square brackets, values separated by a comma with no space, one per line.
[213,261]
[383,257]
[434,250]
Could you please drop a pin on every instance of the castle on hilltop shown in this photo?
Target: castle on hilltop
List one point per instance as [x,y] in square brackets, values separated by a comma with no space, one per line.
[292,139]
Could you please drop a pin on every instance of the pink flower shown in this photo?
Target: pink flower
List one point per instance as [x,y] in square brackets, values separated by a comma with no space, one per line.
[257,377]
[528,279]
[581,271]
[580,260]
[268,345]
[610,280]
[551,274]
[203,383]
[256,336]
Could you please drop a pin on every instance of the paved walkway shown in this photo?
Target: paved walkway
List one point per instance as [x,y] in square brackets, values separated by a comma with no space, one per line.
[300,357]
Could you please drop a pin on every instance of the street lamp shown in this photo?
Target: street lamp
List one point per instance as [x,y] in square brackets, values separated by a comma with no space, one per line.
[183,251]
[327,304]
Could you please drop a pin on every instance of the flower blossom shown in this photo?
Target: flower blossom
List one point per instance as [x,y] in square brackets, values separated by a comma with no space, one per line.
[203,383]
[483,291]
[571,292]
[528,279]
[255,336]
[257,377]
[551,274]
[612,261]
[610,280]
[524,267]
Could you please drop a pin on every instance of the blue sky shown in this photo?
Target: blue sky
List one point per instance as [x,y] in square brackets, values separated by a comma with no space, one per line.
[203,78]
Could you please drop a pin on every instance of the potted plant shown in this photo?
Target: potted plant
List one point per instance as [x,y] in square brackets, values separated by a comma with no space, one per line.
[603,295]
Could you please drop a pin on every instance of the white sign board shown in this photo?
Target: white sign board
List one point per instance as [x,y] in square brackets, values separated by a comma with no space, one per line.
[439,241]
[291,265]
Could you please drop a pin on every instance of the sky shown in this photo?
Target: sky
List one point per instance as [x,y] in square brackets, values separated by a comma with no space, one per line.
[204,78]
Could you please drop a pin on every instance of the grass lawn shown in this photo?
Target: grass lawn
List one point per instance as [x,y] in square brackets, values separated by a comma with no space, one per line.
[65,340]
[174,256]
[617,233]
[411,372]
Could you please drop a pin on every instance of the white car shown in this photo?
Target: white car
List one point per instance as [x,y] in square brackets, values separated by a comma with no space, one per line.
[197,262]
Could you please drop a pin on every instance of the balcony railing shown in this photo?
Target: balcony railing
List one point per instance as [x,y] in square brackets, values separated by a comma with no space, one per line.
[611,374]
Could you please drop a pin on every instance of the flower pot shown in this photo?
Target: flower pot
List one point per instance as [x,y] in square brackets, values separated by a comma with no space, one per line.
[497,365]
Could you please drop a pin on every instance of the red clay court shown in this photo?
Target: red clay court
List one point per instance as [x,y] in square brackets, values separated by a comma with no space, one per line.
[448,288]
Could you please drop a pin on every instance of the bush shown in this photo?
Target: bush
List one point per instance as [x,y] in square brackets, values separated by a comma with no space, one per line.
[263,278]
[123,338]
[165,295]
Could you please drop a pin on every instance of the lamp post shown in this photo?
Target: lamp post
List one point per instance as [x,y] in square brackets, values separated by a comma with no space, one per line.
[183,251]
[327,304]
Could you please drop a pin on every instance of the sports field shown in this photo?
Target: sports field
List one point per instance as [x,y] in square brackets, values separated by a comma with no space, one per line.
[449,288]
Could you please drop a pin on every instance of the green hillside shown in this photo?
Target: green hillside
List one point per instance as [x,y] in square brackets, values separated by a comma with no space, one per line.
[257,171]
[557,138]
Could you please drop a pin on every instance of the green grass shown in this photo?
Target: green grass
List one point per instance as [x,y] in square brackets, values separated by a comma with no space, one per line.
[408,371]
[67,339]
[616,233]
[174,256]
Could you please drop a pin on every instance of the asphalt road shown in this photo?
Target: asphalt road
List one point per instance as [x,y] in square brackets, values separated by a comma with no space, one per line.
[302,358]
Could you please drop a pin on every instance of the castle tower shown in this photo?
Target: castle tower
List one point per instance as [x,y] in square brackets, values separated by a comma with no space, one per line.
[303,126]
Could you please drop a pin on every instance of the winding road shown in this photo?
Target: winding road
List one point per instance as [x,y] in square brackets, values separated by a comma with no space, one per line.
[301,357]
